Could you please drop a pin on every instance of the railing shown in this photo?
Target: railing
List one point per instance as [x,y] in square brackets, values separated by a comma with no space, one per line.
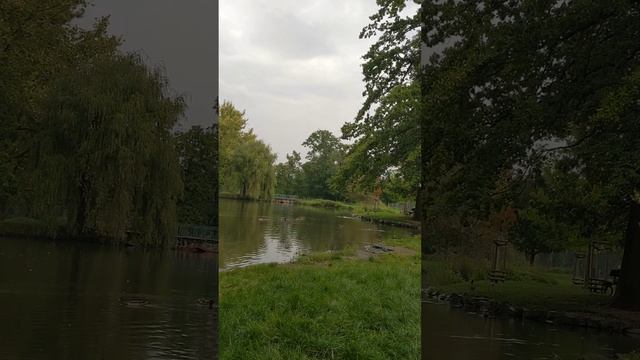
[285,197]
[197,232]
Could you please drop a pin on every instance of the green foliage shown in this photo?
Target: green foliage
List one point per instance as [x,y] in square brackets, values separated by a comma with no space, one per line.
[198,154]
[386,149]
[536,232]
[314,177]
[36,44]
[88,129]
[289,175]
[246,163]
[324,157]
[108,151]
[514,88]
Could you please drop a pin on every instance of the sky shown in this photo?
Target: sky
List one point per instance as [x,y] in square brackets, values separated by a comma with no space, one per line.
[293,66]
[179,35]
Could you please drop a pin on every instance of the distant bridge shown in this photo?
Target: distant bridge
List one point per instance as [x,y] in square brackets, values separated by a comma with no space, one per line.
[197,238]
[285,199]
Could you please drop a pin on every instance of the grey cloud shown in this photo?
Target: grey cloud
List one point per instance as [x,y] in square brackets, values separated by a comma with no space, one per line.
[294,66]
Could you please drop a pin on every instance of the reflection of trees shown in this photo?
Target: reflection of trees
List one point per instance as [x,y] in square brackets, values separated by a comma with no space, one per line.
[69,304]
[306,228]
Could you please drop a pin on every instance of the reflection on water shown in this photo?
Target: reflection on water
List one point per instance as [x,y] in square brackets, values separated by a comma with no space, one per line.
[262,232]
[450,334]
[86,301]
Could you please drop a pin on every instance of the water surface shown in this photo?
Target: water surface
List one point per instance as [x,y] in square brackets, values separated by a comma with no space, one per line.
[263,232]
[65,300]
[452,334]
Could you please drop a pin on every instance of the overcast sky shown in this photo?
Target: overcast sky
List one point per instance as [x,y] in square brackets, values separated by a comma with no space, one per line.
[294,66]
[180,35]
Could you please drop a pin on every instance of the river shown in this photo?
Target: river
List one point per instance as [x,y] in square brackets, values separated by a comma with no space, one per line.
[263,232]
[65,300]
[452,334]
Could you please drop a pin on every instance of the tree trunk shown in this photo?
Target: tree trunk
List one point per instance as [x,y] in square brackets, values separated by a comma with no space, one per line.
[532,258]
[628,289]
[417,212]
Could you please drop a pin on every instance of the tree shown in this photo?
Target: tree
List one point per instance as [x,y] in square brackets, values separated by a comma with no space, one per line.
[107,152]
[233,131]
[386,128]
[517,84]
[198,154]
[253,164]
[246,163]
[38,43]
[387,145]
[289,175]
[324,157]
[534,233]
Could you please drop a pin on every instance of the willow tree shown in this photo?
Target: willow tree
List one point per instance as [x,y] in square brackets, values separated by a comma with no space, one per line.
[253,168]
[198,153]
[107,151]
[247,164]
[37,42]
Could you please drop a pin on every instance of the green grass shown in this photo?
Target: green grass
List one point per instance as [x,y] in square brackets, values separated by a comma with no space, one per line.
[380,213]
[631,356]
[324,306]
[534,288]
[323,203]
[24,226]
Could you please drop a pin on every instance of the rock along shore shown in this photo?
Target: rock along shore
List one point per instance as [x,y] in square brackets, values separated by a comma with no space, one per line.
[488,307]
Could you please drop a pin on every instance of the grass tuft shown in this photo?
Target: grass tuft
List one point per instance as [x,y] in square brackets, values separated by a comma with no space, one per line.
[328,305]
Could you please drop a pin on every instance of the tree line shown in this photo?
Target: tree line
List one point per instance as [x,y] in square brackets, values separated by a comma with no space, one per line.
[331,169]
[89,143]
[528,120]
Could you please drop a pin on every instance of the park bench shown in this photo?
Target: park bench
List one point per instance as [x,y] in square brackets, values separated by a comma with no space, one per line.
[600,286]
[496,276]
[605,286]
[615,275]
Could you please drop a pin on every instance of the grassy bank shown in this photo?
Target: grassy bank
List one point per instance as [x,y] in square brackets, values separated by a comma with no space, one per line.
[532,287]
[380,213]
[28,227]
[324,306]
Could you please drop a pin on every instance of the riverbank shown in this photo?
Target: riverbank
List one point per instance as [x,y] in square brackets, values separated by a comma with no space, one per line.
[29,228]
[381,214]
[530,293]
[339,305]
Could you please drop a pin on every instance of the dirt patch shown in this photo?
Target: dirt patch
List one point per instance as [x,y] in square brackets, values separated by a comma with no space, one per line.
[378,249]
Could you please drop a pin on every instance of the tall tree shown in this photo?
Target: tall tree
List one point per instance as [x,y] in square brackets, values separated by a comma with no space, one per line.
[108,152]
[37,43]
[385,130]
[289,175]
[520,82]
[246,163]
[198,154]
[324,157]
